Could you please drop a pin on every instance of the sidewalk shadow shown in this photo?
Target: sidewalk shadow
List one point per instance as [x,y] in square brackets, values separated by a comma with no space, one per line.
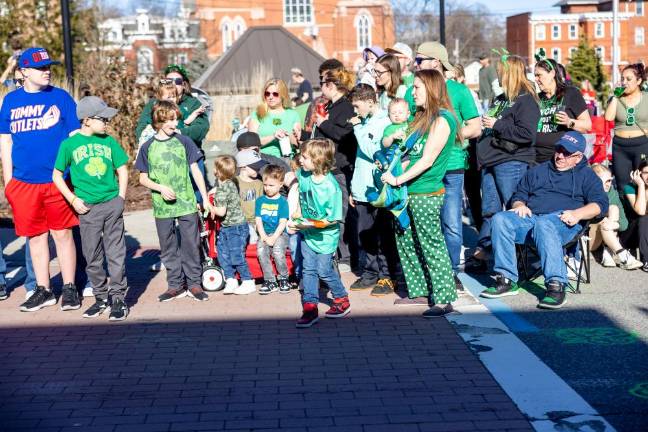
[138,269]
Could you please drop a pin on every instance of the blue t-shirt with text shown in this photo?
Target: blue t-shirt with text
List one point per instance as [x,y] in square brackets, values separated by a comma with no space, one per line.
[38,123]
[271,210]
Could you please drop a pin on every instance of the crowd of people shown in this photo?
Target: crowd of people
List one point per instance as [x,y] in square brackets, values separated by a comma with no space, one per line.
[373,180]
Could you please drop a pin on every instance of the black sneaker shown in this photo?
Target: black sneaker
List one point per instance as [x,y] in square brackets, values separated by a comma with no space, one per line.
[172,293]
[96,309]
[197,293]
[118,311]
[362,284]
[40,299]
[268,287]
[474,265]
[3,292]
[459,285]
[284,286]
[70,297]
[645,267]
[438,311]
[503,287]
[555,297]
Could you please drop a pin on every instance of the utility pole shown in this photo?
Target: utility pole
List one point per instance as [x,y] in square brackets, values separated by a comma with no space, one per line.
[615,42]
[67,41]
[442,22]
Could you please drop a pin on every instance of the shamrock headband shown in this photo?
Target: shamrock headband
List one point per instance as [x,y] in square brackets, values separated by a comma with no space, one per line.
[177,68]
[503,55]
[541,57]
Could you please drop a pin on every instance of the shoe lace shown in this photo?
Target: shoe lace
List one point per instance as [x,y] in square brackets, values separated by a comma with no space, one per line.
[38,296]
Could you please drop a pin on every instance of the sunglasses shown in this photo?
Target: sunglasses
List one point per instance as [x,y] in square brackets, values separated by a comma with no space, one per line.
[103,119]
[565,153]
[420,60]
[630,116]
[273,94]
[176,81]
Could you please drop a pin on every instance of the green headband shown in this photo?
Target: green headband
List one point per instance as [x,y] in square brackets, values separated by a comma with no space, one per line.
[177,68]
[503,55]
[541,56]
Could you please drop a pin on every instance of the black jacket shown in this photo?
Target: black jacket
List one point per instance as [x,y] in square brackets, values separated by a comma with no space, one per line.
[338,129]
[516,127]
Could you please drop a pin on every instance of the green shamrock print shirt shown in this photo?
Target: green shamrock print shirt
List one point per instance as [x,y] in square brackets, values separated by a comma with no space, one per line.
[92,161]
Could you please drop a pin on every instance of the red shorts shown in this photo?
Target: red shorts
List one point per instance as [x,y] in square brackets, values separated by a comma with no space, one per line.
[38,208]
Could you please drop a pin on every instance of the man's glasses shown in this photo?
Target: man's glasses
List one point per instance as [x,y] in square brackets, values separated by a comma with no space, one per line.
[273,94]
[630,116]
[420,60]
[566,154]
[19,81]
[103,119]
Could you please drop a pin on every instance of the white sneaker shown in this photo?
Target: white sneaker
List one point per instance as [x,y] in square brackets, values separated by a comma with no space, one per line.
[231,285]
[87,290]
[626,261]
[607,260]
[158,266]
[573,264]
[247,287]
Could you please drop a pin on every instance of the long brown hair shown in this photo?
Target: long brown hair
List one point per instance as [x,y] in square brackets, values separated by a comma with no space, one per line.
[512,75]
[282,89]
[391,63]
[437,99]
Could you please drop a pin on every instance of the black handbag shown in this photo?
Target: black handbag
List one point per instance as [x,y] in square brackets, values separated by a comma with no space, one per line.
[505,145]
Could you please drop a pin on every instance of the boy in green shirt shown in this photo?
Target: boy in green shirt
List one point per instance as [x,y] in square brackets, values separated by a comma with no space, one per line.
[93,157]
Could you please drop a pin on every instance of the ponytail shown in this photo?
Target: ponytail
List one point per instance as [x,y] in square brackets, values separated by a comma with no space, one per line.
[342,79]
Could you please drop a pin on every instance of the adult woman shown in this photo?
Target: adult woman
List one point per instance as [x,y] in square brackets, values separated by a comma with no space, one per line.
[274,119]
[388,80]
[505,149]
[637,195]
[422,249]
[630,114]
[562,108]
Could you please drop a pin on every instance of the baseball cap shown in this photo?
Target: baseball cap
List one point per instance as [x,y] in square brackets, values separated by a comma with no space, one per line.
[437,51]
[34,58]
[247,140]
[572,142]
[92,106]
[400,48]
[250,158]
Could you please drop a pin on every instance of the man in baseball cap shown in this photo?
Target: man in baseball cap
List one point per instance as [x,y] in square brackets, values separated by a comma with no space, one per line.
[404,54]
[35,58]
[251,140]
[251,159]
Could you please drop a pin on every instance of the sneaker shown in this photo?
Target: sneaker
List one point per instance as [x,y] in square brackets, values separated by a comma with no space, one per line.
[70,297]
[40,299]
[626,261]
[362,284]
[475,265]
[172,293]
[268,287]
[28,294]
[246,287]
[230,286]
[88,291]
[340,308]
[284,286]
[504,287]
[416,301]
[606,258]
[572,267]
[438,311]
[343,266]
[99,307]
[645,267]
[555,297]
[383,287]
[197,293]
[158,266]
[309,316]
[459,285]
[119,310]
[3,292]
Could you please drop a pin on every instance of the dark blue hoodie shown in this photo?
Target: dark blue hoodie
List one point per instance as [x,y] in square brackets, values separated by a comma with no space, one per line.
[545,190]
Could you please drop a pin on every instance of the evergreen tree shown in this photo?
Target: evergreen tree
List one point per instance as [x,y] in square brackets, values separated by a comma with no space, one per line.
[586,65]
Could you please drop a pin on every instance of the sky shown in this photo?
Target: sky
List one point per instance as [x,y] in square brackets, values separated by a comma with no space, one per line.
[513,7]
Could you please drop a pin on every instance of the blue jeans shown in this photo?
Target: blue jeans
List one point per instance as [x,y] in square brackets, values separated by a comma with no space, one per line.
[451,217]
[231,245]
[547,232]
[30,279]
[294,243]
[319,267]
[498,186]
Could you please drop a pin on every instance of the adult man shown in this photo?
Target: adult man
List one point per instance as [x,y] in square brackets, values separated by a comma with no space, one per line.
[488,84]
[433,55]
[403,53]
[550,202]
[304,89]
[33,121]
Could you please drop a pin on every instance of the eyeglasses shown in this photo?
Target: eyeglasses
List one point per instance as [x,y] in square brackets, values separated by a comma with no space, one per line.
[323,83]
[380,73]
[103,119]
[630,116]
[566,154]
[19,81]
[420,60]
[273,94]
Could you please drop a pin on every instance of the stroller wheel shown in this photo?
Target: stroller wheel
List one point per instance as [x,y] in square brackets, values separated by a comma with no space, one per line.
[213,278]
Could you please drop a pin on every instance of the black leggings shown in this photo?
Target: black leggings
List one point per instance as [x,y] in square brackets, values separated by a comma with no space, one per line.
[636,235]
[627,153]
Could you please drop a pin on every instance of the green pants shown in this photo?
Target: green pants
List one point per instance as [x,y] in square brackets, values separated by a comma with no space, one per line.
[423,252]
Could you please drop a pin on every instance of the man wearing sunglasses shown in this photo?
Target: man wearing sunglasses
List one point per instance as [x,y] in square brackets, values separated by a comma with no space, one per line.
[551,201]
[34,120]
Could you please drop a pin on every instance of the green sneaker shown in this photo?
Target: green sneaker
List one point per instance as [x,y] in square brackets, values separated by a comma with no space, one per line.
[504,287]
[555,297]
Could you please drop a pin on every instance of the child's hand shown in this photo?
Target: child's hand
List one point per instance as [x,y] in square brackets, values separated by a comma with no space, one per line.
[270,240]
[280,133]
[167,193]
[79,206]
[398,135]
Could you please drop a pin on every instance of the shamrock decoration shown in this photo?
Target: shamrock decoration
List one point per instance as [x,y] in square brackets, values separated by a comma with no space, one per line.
[541,55]
[276,121]
[96,167]
[503,53]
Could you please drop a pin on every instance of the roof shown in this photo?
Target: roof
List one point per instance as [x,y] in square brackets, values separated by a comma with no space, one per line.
[578,2]
[272,47]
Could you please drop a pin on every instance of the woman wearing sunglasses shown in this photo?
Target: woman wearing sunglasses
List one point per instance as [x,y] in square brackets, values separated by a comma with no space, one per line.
[630,114]
[388,80]
[277,124]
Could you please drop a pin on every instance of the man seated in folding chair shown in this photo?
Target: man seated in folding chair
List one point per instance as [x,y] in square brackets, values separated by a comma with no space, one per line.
[551,202]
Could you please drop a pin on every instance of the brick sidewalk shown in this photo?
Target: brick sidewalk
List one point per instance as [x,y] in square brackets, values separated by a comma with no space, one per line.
[238,364]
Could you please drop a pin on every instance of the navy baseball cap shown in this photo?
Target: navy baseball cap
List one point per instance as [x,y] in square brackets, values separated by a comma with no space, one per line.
[572,142]
[35,58]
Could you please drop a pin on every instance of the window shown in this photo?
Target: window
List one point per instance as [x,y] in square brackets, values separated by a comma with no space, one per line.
[573,31]
[363,31]
[639,8]
[239,27]
[555,31]
[599,30]
[572,51]
[144,61]
[226,35]
[298,12]
[639,36]
[555,54]
[600,52]
[540,32]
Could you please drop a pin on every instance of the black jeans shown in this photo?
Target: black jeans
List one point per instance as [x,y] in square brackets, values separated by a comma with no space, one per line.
[627,153]
[377,240]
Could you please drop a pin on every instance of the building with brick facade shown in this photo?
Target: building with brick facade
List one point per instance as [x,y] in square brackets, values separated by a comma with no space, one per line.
[333,28]
[559,33]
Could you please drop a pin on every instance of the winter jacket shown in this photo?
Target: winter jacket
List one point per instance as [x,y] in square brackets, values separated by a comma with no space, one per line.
[369,135]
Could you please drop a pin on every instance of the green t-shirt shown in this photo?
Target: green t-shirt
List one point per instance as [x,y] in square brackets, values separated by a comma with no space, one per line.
[320,201]
[227,195]
[272,122]
[432,179]
[407,80]
[167,163]
[92,161]
[613,198]
[393,128]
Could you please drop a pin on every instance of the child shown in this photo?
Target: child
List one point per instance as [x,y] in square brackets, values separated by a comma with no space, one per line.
[93,157]
[374,225]
[398,114]
[167,163]
[233,235]
[320,199]
[250,187]
[271,217]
